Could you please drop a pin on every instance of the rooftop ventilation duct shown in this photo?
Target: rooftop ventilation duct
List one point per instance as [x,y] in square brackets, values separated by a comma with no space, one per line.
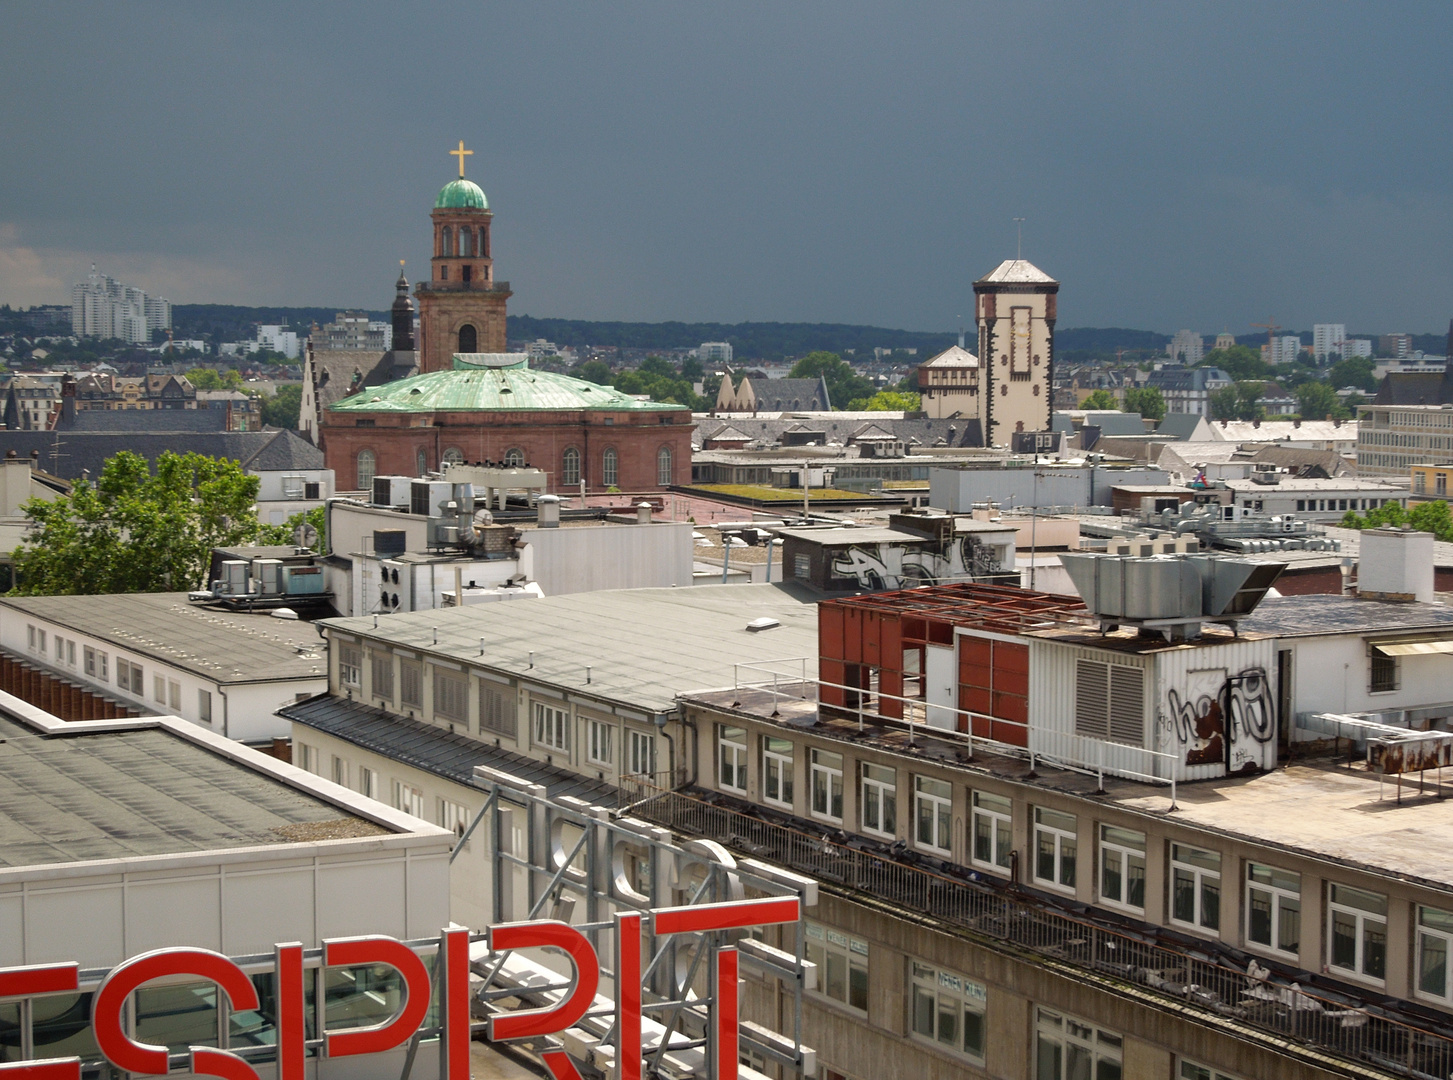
[1169,594]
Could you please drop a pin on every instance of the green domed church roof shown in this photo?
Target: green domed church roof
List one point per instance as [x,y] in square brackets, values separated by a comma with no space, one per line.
[461,195]
[490,382]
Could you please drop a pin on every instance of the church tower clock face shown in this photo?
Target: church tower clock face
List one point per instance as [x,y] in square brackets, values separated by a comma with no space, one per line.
[461,305]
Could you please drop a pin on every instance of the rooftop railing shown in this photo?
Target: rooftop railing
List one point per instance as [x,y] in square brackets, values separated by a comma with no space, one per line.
[1256,996]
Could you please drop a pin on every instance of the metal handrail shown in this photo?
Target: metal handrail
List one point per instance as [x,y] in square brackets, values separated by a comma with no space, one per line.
[1276,1005]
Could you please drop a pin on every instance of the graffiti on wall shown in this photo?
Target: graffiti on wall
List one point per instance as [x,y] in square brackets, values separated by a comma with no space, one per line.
[1198,718]
[892,566]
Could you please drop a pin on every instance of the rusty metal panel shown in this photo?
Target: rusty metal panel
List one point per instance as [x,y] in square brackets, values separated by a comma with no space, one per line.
[830,620]
[831,672]
[1410,753]
[853,635]
[872,635]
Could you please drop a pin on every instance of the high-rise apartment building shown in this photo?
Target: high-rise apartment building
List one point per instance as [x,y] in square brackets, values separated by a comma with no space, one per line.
[103,307]
[1327,339]
[353,331]
[714,352]
[1284,350]
[1187,347]
[1397,345]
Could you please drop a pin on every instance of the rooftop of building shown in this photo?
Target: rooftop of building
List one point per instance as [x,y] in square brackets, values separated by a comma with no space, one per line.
[1015,272]
[70,454]
[493,382]
[955,356]
[461,194]
[642,646]
[125,790]
[432,749]
[219,646]
[1315,614]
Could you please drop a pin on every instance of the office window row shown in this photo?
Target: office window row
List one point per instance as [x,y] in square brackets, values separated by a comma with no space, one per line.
[1272,903]
[451,704]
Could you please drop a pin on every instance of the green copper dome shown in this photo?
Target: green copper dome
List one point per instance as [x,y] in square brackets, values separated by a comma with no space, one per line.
[461,195]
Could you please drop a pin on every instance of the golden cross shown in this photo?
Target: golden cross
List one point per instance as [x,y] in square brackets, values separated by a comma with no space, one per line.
[461,154]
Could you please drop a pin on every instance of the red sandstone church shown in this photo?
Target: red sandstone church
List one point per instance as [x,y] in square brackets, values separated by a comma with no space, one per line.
[463,398]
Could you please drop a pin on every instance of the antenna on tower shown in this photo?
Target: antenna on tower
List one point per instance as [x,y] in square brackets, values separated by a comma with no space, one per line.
[1019,246]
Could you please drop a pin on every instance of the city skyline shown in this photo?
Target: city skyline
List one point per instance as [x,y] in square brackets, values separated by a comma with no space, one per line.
[757,164]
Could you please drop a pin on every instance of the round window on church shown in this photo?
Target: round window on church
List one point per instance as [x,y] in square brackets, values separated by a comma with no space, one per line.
[514,457]
[453,456]
[468,339]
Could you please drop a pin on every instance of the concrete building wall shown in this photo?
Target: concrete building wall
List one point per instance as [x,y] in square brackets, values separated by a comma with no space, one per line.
[571,560]
[957,490]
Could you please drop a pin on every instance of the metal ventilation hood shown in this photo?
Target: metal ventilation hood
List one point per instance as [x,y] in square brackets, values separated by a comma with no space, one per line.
[1172,594]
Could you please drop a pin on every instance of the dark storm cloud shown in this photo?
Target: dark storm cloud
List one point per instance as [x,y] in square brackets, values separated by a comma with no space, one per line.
[1179,165]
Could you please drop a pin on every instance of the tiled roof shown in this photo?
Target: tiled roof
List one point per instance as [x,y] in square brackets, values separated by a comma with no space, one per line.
[1017,272]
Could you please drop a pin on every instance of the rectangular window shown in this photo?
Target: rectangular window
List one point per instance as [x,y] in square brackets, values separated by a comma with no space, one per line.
[1195,886]
[1122,867]
[1054,848]
[879,800]
[30,637]
[842,966]
[1435,941]
[174,695]
[130,677]
[40,641]
[640,753]
[777,771]
[411,683]
[731,757]
[1189,1070]
[451,696]
[340,771]
[70,654]
[598,742]
[1110,702]
[350,665]
[1273,908]
[158,688]
[993,825]
[453,816]
[1358,931]
[948,1010]
[381,674]
[827,784]
[1070,1049]
[89,659]
[496,708]
[933,814]
[408,798]
[367,782]
[307,758]
[102,662]
[204,706]
[552,727]
[1384,672]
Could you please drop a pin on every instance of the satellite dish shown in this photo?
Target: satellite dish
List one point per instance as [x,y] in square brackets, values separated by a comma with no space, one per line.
[305,535]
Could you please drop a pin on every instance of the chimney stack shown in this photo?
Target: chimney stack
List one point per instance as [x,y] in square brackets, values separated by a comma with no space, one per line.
[548,511]
[1395,564]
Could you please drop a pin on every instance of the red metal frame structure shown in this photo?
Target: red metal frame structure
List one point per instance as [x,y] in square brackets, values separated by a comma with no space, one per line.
[863,640]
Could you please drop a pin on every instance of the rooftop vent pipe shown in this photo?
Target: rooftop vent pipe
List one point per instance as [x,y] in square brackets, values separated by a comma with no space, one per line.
[548,511]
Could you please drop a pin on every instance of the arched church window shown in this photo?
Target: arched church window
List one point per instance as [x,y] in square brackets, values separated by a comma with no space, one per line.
[453,456]
[514,458]
[367,464]
[483,242]
[468,338]
[570,467]
[664,477]
[609,468]
[466,243]
[421,461]
[446,241]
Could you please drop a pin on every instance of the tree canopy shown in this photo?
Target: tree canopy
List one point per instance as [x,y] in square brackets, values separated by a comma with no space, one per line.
[844,384]
[1147,401]
[205,378]
[1239,361]
[283,408]
[1317,401]
[132,530]
[1432,517]
[1239,402]
[1100,399]
[886,401]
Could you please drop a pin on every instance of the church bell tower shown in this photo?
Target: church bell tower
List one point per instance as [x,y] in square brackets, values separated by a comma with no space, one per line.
[461,306]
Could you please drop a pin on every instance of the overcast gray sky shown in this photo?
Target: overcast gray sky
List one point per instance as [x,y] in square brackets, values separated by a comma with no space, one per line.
[1179,165]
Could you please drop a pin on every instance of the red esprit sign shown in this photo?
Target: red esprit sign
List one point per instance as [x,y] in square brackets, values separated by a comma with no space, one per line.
[109,1001]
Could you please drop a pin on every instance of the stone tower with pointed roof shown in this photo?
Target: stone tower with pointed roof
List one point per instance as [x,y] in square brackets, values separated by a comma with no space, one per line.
[461,306]
[1015,309]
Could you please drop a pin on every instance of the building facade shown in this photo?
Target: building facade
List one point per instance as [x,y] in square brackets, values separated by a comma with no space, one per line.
[103,307]
[1015,305]
[1327,340]
[1187,347]
[1392,439]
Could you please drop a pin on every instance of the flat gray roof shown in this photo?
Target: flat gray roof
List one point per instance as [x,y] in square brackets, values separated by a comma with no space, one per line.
[643,646]
[217,645]
[147,791]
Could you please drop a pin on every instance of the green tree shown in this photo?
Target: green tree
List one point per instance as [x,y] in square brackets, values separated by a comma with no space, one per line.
[1147,401]
[282,409]
[844,384]
[691,369]
[204,378]
[596,371]
[1316,400]
[1354,371]
[1100,399]
[1431,517]
[1248,401]
[886,401]
[133,530]
[1239,361]
[286,532]
[1223,403]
